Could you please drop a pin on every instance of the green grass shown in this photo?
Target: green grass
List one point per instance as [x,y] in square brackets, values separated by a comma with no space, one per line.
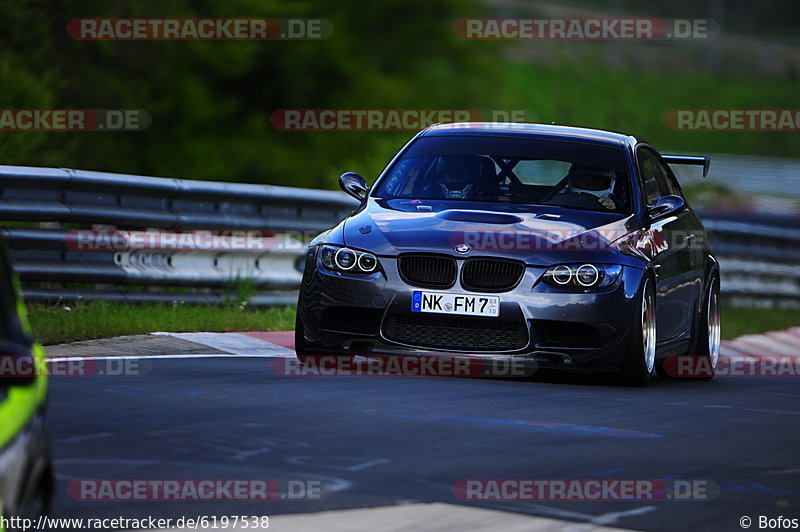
[737,321]
[84,321]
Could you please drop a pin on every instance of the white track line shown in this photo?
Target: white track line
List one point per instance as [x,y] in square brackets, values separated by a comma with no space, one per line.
[429,516]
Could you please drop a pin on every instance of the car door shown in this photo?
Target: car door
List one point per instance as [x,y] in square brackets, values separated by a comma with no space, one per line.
[670,252]
[693,238]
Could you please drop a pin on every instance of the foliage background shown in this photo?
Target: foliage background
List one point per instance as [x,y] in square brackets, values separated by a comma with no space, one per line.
[211,101]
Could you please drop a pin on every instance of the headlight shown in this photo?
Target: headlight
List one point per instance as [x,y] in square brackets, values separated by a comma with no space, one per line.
[587,275]
[367,262]
[345,259]
[583,275]
[348,260]
[561,274]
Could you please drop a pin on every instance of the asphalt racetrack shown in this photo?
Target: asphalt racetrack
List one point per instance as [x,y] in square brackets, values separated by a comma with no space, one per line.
[388,440]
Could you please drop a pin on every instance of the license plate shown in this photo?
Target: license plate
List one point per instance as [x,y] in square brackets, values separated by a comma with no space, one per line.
[459,304]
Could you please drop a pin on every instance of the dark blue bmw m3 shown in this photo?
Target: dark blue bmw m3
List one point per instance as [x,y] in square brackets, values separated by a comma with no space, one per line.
[563,247]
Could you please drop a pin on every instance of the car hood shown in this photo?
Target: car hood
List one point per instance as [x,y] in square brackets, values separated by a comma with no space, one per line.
[538,235]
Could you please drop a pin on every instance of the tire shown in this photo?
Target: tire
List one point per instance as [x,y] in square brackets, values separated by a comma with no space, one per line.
[300,344]
[299,337]
[640,357]
[38,504]
[706,345]
[37,498]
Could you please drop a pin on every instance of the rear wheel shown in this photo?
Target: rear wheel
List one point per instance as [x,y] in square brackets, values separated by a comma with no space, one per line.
[36,500]
[706,347]
[700,361]
[640,358]
[38,504]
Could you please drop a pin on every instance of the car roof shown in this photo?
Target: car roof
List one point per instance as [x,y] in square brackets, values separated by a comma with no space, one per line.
[529,130]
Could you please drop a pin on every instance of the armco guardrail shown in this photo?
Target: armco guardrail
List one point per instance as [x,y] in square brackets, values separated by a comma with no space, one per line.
[63,195]
[73,198]
[759,257]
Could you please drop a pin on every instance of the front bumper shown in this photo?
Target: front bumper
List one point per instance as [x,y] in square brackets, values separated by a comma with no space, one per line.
[357,314]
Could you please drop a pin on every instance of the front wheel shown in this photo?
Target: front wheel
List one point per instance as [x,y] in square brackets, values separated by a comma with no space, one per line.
[299,337]
[640,358]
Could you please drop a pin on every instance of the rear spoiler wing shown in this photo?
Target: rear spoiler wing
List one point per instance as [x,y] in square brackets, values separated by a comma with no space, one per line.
[699,160]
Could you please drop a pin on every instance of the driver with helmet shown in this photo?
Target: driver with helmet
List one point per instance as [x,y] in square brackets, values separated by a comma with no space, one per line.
[457,177]
[583,179]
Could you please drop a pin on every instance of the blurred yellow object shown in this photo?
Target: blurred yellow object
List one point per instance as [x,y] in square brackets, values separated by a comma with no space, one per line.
[25,467]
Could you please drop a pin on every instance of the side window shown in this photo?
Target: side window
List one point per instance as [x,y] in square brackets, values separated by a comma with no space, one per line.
[651,175]
[671,186]
[408,174]
[657,177]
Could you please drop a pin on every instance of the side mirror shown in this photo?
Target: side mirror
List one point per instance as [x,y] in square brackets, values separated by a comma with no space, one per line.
[354,185]
[665,206]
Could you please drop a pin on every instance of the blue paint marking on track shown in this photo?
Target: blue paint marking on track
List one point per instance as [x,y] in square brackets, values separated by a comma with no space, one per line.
[773,491]
[131,390]
[609,472]
[547,426]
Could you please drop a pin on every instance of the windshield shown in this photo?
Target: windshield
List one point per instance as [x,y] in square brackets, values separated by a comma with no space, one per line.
[511,170]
